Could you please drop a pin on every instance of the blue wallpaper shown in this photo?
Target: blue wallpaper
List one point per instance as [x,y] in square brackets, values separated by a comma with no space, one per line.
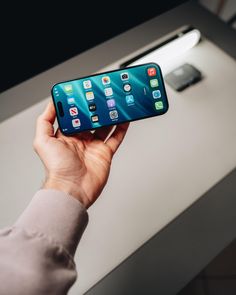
[86,106]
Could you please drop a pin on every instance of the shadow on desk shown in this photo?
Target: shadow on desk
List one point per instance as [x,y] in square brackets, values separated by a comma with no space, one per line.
[218,278]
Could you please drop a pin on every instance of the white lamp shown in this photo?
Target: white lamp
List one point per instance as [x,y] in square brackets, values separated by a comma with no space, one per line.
[172,49]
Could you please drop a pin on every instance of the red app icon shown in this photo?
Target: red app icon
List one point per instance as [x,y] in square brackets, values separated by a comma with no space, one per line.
[76,123]
[152,72]
[73,111]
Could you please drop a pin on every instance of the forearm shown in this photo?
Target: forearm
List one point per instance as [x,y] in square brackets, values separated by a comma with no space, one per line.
[36,254]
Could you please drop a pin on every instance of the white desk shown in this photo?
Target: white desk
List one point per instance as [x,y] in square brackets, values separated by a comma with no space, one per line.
[165,164]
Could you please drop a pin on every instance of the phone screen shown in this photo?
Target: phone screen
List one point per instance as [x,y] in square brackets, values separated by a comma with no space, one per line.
[110,98]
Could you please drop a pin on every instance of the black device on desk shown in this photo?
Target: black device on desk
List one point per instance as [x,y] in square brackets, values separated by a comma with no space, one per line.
[183,76]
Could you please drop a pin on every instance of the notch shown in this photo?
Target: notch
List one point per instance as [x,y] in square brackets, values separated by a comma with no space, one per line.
[60,108]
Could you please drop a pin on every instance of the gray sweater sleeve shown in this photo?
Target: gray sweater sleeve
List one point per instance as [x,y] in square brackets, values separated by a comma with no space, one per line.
[36,254]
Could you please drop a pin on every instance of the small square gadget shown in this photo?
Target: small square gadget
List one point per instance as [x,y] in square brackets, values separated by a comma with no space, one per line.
[183,77]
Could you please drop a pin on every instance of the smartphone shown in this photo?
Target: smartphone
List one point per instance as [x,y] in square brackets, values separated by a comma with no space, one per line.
[110,98]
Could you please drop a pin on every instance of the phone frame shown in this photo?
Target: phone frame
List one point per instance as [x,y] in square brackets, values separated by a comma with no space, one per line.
[112,124]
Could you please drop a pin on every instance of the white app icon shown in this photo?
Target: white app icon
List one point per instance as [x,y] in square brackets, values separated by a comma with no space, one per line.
[87,84]
[108,91]
[73,111]
[89,95]
[106,80]
[127,87]
[70,100]
[76,123]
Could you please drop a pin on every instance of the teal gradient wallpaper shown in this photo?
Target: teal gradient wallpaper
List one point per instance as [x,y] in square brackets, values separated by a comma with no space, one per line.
[110,98]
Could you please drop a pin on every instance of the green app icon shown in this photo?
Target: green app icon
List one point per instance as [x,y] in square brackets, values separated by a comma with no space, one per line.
[159,105]
[154,83]
[68,88]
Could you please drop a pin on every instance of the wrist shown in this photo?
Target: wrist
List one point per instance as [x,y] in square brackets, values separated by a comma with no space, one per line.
[67,187]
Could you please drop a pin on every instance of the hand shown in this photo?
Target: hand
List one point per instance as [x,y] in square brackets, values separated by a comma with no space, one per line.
[78,165]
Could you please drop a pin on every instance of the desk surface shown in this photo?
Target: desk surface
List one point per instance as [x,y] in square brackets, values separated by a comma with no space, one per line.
[114,199]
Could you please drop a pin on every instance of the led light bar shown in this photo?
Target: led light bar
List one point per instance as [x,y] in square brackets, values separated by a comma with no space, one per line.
[169,50]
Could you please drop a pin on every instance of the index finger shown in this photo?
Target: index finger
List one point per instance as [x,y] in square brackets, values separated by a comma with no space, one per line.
[117,137]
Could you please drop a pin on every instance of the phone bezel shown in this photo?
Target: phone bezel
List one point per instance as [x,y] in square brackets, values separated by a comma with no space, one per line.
[115,123]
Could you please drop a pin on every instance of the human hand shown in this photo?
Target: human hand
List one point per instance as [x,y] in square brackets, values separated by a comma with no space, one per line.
[78,165]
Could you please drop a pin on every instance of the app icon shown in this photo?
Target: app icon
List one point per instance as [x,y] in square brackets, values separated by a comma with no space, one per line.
[111,103]
[68,88]
[89,95]
[154,83]
[159,105]
[156,94]
[124,76]
[76,123]
[108,91]
[106,80]
[152,71]
[127,87]
[92,107]
[87,84]
[73,111]
[129,99]
[70,100]
[113,114]
[94,118]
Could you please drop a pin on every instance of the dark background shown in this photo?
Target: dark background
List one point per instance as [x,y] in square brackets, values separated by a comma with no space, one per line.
[36,36]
